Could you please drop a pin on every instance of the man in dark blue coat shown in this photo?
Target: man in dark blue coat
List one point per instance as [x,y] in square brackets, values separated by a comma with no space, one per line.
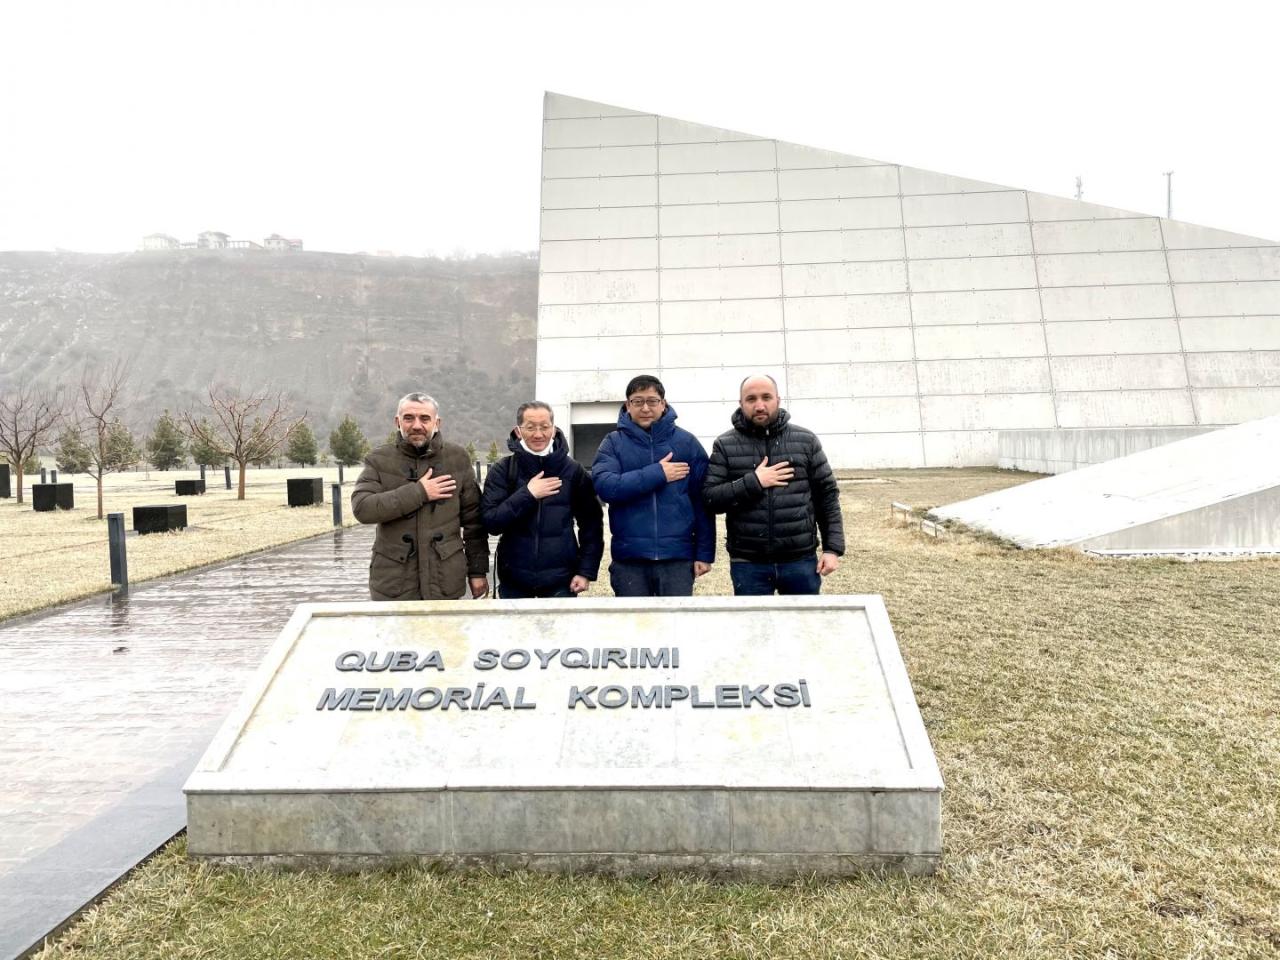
[531,500]
[650,472]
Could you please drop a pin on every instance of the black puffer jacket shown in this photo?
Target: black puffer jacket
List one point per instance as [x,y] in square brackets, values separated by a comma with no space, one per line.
[777,524]
[538,548]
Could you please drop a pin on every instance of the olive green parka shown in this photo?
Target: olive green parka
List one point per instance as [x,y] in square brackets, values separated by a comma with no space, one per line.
[423,550]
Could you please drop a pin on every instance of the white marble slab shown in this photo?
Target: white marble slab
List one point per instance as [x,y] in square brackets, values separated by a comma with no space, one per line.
[827,756]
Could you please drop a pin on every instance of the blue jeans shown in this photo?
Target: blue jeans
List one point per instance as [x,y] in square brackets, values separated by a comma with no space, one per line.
[651,578]
[765,579]
[514,591]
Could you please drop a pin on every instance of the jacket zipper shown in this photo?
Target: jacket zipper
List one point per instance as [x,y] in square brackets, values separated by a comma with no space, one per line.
[769,532]
[653,498]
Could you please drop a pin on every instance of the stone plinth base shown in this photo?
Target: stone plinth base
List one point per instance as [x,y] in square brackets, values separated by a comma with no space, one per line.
[52,496]
[306,491]
[188,488]
[6,489]
[161,518]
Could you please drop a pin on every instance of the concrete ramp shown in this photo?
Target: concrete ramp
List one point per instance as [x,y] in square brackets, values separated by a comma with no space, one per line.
[1216,493]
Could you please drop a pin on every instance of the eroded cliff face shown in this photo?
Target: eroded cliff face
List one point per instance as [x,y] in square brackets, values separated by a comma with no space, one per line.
[340,333]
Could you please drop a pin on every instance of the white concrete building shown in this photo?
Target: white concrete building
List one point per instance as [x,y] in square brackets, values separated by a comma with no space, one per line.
[908,315]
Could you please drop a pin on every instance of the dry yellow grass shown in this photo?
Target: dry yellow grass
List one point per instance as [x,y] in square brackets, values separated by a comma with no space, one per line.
[1109,732]
[50,558]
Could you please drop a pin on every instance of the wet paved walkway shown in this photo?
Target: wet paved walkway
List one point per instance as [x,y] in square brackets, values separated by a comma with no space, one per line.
[106,706]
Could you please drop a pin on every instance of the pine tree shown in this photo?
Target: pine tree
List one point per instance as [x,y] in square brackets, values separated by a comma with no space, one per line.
[302,446]
[472,456]
[166,447]
[492,456]
[206,453]
[121,448]
[347,444]
[31,466]
[72,455]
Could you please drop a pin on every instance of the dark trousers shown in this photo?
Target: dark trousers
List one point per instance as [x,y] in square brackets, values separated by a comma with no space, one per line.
[651,578]
[508,590]
[765,579]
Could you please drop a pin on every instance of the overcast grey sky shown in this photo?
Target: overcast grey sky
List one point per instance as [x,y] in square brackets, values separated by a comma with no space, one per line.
[416,127]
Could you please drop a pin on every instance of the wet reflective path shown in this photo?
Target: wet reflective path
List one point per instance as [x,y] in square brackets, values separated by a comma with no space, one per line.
[105,707]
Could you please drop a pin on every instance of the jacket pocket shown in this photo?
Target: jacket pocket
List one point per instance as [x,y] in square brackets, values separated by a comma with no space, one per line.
[391,575]
[450,575]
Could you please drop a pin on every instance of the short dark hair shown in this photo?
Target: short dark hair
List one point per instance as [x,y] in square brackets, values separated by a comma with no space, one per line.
[644,382]
[534,405]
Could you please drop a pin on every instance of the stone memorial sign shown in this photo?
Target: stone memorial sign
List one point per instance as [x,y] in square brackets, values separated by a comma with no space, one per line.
[52,496]
[305,491]
[5,483]
[754,737]
[160,518]
[189,488]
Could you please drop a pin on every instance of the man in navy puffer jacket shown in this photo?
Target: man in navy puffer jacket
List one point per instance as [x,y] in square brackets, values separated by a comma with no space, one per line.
[531,500]
[650,472]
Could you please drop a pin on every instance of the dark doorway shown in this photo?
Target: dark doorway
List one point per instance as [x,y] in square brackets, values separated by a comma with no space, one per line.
[586,440]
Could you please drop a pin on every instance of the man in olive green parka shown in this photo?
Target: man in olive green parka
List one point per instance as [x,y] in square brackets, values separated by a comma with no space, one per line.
[421,492]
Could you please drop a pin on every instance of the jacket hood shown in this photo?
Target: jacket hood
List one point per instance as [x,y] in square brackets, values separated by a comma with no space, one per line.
[662,428]
[743,425]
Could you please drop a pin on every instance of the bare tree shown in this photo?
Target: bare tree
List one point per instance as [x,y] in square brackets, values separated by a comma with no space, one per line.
[102,400]
[247,428]
[28,417]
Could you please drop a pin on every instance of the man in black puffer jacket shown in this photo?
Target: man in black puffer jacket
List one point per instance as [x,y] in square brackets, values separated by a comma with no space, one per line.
[531,500]
[773,483]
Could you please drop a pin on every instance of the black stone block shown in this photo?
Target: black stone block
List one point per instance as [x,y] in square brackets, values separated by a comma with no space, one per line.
[160,519]
[5,489]
[53,496]
[188,488]
[306,491]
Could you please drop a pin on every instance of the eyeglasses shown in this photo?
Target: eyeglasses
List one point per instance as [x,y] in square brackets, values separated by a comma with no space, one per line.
[636,403]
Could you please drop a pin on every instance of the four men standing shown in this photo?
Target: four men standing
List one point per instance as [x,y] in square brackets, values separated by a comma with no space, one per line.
[769,477]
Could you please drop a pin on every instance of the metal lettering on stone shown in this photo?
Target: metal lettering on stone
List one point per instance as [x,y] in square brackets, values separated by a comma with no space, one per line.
[753,737]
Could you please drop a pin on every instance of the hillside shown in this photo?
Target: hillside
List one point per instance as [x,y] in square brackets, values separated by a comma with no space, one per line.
[340,333]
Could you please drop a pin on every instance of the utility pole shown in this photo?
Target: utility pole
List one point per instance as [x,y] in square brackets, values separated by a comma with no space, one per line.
[1079,189]
[1168,204]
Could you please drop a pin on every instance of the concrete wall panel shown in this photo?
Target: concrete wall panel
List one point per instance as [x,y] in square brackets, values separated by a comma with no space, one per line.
[1045,207]
[1018,375]
[964,208]
[1107,303]
[1188,236]
[864,310]
[1101,337]
[795,156]
[1235,369]
[721,283]
[671,130]
[1231,333]
[717,187]
[864,346]
[600,131]
[916,181]
[873,451]
[821,279]
[559,256]
[716,157]
[965,448]
[1236,406]
[712,219]
[704,419]
[975,306]
[597,353]
[852,380]
[734,250]
[1131,372]
[603,319]
[724,349]
[599,192]
[604,223]
[722,316]
[556,106]
[1125,408]
[560,388]
[1245,263]
[600,162]
[848,214]
[1227,299]
[617,286]
[992,412]
[1094,236]
[712,384]
[837,182]
[973,273]
[965,343]
[1001,239]
[837,246]
[853,414]
[1087,269]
